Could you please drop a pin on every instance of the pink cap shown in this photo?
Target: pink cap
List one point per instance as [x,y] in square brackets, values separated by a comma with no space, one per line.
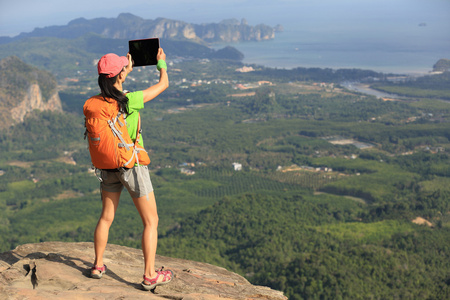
[111,64]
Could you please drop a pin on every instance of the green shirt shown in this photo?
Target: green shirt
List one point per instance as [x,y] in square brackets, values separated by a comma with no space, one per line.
[135,104]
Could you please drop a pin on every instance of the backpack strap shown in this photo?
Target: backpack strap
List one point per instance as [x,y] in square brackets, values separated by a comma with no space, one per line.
[118,133]
[138,148]
[139,130]
[138,135]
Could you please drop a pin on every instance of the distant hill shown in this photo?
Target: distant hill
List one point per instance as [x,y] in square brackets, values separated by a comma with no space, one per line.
[442,65]
[23,89]
[65,57]
[75,47]
[128,26]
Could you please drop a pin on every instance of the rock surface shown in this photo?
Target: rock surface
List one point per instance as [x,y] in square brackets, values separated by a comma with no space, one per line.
[57,270]
[33,100]
[23,89]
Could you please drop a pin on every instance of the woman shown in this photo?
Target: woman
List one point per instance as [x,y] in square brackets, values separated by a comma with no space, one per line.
[112,71]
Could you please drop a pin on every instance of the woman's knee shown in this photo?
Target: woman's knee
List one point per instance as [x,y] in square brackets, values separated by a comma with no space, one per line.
[107,218]
[151,220]
[146,207]
[110,202]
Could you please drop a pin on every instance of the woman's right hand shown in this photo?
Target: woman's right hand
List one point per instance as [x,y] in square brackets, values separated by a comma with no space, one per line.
[161,54]
[154,90]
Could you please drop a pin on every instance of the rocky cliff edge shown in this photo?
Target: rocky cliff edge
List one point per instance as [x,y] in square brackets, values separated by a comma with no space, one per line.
[57,270]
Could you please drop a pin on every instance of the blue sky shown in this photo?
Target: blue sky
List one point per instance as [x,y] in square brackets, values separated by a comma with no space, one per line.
[25,15]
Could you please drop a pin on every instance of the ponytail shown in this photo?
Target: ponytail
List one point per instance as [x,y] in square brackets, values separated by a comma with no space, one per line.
[109,90]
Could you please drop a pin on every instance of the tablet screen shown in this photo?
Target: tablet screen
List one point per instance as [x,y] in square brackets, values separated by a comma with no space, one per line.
[143,52]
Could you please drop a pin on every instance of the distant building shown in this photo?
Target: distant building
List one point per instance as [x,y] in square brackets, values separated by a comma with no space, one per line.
[237,166]
[187,171]
[245,69]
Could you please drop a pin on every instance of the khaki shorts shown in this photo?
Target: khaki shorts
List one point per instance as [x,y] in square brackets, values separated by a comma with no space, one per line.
[136,180]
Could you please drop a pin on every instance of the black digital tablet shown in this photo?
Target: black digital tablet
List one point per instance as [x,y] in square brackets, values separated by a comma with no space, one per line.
[143,52]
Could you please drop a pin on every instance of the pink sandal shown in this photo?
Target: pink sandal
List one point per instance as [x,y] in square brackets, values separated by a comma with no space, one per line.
[162,277]
[102,270]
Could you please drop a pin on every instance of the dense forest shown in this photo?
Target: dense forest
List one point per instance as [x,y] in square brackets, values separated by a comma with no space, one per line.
[323,207]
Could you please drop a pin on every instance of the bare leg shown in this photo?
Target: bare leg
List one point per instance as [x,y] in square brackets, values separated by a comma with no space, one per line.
[146,207]
[110,203]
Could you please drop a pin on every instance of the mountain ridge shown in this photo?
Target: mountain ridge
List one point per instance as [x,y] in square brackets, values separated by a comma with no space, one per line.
[129,26]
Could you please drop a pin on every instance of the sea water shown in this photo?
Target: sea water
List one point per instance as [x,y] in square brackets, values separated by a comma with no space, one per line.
[412,49]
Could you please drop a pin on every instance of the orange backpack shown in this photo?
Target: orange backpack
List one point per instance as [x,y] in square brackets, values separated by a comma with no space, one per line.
[110,145]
